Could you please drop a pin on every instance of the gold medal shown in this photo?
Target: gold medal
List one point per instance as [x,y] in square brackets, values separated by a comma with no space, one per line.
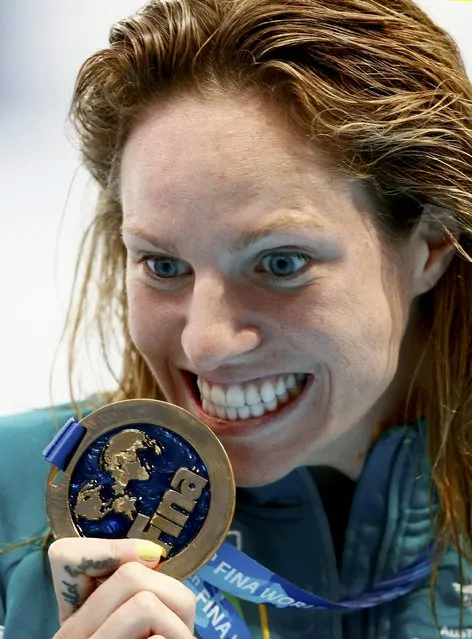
[144,469]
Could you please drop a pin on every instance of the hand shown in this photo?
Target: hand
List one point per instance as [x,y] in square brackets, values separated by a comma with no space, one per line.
[135,601]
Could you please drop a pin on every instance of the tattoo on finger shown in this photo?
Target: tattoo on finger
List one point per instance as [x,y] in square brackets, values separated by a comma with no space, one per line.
[71,594]
[89,565]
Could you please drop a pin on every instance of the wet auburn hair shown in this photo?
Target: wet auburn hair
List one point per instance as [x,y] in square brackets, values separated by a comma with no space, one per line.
[374,82]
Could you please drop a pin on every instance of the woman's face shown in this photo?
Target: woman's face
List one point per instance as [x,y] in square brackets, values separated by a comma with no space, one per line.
[259,292]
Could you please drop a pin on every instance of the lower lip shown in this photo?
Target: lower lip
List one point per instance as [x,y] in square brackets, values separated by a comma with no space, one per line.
[247,427]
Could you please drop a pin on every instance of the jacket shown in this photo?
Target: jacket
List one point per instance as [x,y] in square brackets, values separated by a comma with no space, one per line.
[283,526]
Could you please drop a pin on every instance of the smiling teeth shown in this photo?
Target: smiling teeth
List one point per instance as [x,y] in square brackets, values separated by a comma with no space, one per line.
[249,400]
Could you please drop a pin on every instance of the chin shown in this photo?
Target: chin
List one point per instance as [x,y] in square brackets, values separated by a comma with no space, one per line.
[254,470]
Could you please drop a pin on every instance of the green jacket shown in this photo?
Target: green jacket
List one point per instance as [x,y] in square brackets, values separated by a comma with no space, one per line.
[389,527]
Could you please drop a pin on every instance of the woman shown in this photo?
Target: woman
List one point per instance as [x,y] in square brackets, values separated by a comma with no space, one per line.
[283,239]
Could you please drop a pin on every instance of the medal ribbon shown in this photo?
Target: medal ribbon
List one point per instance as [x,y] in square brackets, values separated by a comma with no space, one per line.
[233,572]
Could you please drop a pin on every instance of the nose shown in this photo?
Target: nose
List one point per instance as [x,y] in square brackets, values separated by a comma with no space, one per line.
[215,333]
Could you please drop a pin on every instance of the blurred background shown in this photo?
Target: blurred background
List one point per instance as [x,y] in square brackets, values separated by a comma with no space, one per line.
[46,199]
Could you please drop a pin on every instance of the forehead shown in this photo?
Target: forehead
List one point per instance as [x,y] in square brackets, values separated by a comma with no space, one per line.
[228,163]
[241,146]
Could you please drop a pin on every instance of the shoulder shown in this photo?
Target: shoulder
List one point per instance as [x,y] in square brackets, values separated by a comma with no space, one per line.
[23,432]
[23,471]
[22,439]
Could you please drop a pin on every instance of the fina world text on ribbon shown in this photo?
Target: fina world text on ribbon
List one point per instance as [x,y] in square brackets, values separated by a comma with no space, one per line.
[260,591]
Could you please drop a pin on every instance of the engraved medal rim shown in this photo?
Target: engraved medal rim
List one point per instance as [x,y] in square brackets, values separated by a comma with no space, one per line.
[157,413]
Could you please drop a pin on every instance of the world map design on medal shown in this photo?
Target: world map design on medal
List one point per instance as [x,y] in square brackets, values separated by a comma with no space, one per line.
[141,481]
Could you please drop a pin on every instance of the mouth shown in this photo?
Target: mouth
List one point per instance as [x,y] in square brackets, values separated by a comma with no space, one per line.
[255,400]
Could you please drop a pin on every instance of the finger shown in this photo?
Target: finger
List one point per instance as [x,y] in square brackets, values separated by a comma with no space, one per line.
[76,563]
[142,616]
[126,583]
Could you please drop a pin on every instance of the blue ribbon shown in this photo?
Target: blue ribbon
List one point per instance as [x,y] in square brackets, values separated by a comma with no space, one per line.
[233,572]
[215,616]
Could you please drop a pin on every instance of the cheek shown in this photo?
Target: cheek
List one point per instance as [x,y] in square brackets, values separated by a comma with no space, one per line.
[353,325]
[369,319]
[139,314]
[152,322]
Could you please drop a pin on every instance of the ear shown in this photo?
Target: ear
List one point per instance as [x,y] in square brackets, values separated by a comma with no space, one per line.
[433,245]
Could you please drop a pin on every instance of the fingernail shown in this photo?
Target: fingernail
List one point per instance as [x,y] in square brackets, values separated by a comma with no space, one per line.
[149,551]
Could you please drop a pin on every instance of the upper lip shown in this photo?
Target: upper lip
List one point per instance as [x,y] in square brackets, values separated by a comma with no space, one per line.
[237,378]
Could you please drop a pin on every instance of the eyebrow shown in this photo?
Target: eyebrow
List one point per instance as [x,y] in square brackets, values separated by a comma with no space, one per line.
[290,221]
[137,232]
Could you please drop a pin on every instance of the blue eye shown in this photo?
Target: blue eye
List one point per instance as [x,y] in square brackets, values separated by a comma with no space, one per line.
[285,264]
[167,267]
